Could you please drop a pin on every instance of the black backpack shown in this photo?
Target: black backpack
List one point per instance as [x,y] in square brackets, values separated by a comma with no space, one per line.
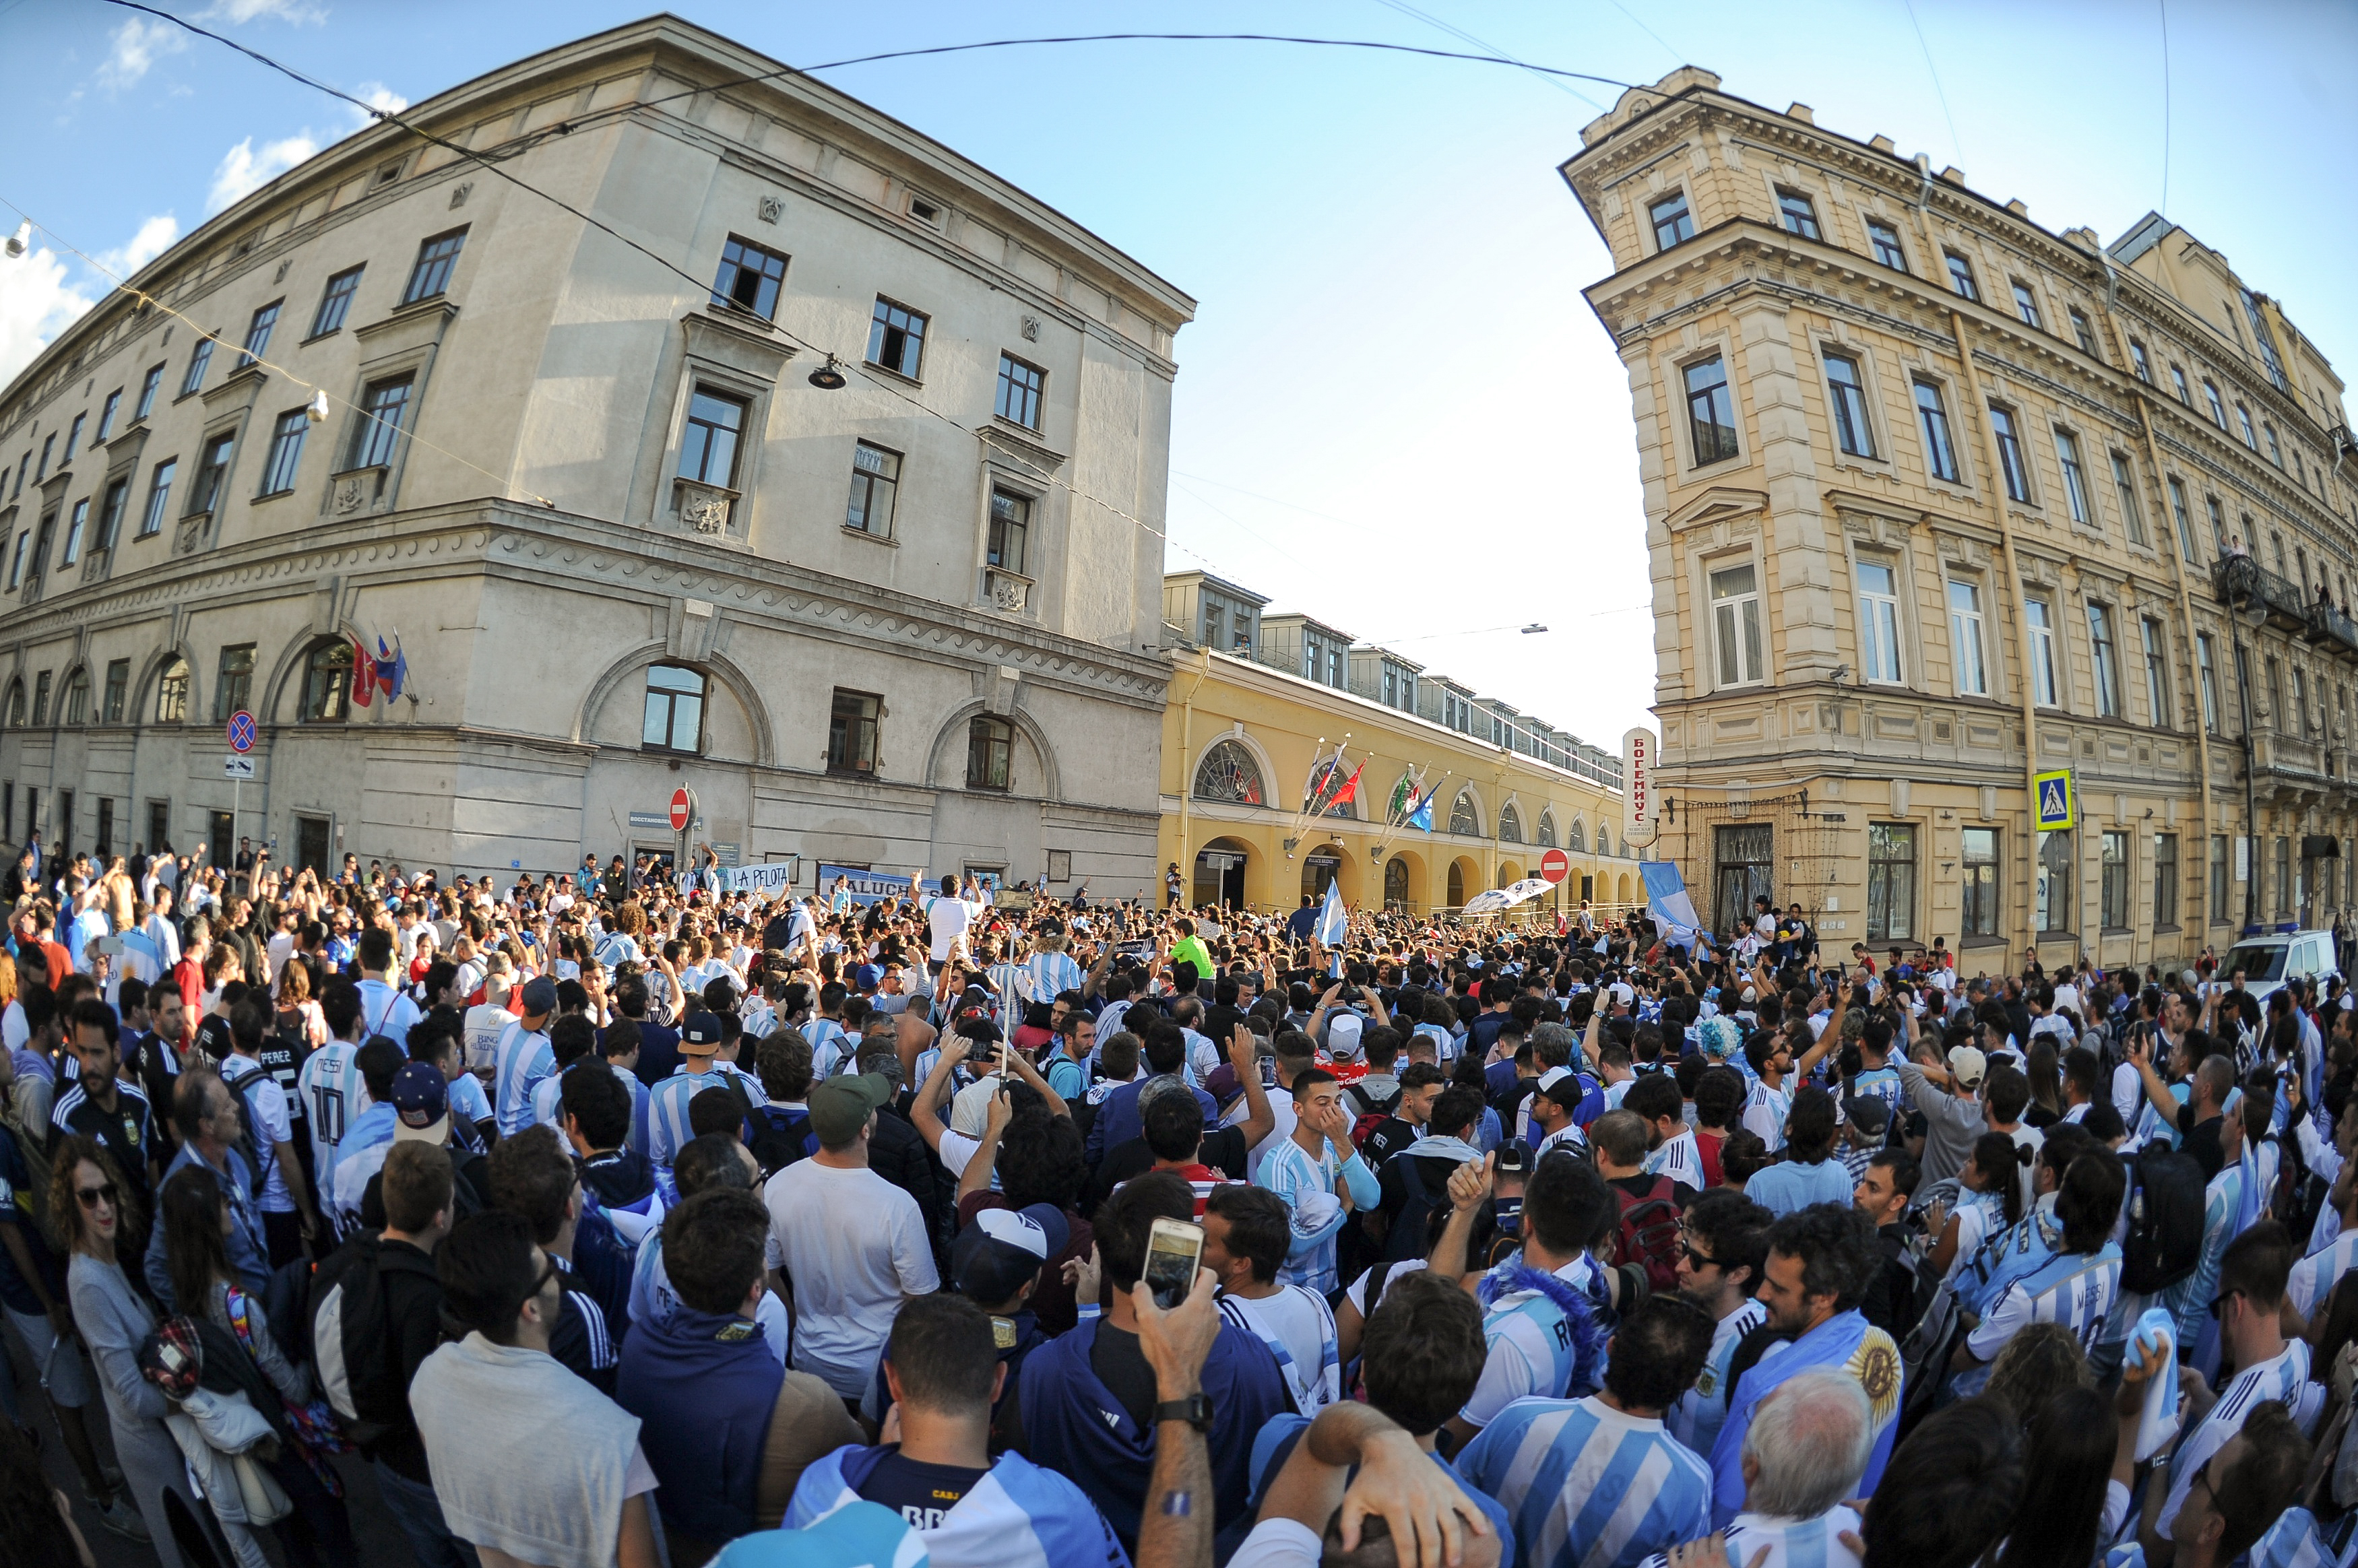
[2165,1208]
[780,1137]
[1408,1235]
[349,1335]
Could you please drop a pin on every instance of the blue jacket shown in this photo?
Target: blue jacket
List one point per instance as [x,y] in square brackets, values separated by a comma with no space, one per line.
[703,1386]
[1117,1121]
[249,1252]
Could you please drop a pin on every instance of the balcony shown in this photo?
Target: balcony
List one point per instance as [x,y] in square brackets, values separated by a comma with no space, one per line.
[2345,452]
[2242,580]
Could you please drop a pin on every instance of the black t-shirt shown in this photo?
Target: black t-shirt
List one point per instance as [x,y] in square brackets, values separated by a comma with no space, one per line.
[1387,1138]
[2201,1138]
[1123,1367]
[1223,1149]
[128,1131]
[919,1492]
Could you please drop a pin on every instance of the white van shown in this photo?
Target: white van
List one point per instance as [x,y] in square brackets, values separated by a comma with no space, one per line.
[2265,960]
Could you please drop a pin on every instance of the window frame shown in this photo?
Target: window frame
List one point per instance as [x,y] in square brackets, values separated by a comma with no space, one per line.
[2014,469]
[172,683]
[865,482]
[991,741]
[283,458]
[431,274]
[232,686]
[336,302]
[258,330]
[1722,392]
[2244,426]
[670,697]
[736,251]
[2207,674]
[1033,393]
[110,512]
[2138,362]
[150,385]
[325,696]
[77,525]
[114,701]
[2083,333]
[2178,380]
[1848,402]
[2181,516]
[106,413]
[881,329]
[2154,642]
[697,435]
[1879,619]
[1802,222]
[2103,660]
[1938,435]
[854,725]
[2124,495]
[1967,624]
[216,456]
[2115,903]
[157,510]
[2046,678]
[2076,500]
[1884,244]
[1739,642]
[1963,282]
[2026,305]
[1981,909]
[995,553]
[1892,880]
[376,439]
[2218,404]
[1681,222]
[201,359]
[2219,882]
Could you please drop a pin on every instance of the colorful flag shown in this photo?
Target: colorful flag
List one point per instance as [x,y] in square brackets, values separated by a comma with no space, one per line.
[363,675]
[1334,923]
[1419,815]
[1350,790]
[391,669]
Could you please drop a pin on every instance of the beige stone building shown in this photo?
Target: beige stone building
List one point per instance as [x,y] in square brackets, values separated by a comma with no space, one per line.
[1939,501]
[587,464]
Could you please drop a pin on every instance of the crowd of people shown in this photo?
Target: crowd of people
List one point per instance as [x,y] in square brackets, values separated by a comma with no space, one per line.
[596,1220]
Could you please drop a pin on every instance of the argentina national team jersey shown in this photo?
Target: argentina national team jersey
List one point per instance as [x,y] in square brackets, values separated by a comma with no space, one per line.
[667,1124]
[1696,1419]
[1020,1515]
[2314,1277]
[827,1037]
[523,1059]
[1533,1345]
[1885,1085]
[2223,1200]
[333,1094]
[1587,1485]
[2293,1541]
[1765,1111]
[1680,1159]
[2076,1290]
[2281,1378]
[1299,1329]
[1047,975]
[1790,1543]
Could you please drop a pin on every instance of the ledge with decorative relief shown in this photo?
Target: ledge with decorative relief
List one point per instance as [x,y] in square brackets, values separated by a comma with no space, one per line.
[192,533]
[1009,592]
[704,508]
[357,490]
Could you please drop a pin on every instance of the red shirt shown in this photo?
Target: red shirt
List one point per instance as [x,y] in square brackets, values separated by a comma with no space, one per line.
[1707,1145]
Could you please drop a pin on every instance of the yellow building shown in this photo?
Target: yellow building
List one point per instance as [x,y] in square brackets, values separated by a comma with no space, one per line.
[1259,704]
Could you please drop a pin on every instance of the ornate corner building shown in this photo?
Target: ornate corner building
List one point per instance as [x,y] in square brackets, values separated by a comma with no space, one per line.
[583,456]
[1939,502]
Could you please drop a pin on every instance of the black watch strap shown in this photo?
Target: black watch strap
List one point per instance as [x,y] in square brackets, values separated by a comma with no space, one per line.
[1196,1410]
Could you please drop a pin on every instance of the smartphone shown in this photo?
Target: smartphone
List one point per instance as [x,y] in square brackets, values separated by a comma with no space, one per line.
[1174,1249]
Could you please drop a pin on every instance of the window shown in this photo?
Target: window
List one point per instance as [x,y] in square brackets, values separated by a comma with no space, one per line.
[2178,378]
[234,682]
[159,497]
[2107,668]
[1322,659]
[74,526]
[2057,893]
[1940,456]
[2206,667]
[1673,224]
[327,683]
[1546,838]
[852,732]
[896,338]
[2283,857]
[1464,817]
[2124,488]
[1710,412]
[172,693]
[286,452]
[673,719]
[1890,881]
[707,447]
[1961,276]
[1511,825]
[73,438]
[2009,455]
[2086,335]
[1020,389]
[257,334]
[2243,422]
[2218,409]
[875,481]
[2137,359]
[383,406]
[988,744]
[435,259]
[16,561]
[335,300]
[2026,304]
[1736,623]
[2156,673]
[213,471]
[749,278]
[1878,622]
[1848,401]
[1885,241]
[41,699]
[2218,522]
[1799,215]
[2115,913]
[118,686]
[109,514]
[1228,772]
[75,710]
[199,358]
[1979,913]
[1010,522]
[2075,483]
[2185,524]
[148,391]
[2218,911]
[106,414]
[1966,630]
[2276,451]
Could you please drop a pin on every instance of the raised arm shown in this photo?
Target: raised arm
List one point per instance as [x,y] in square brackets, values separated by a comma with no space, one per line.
[925,1112]
[1244,1055]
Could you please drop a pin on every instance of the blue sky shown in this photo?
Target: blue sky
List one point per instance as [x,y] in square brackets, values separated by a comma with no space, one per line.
[1394,409]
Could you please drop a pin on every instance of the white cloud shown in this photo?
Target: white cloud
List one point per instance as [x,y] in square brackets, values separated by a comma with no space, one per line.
[154,236]
[134,46]
[295,11]
[244,170]
[380,97]
[38,303]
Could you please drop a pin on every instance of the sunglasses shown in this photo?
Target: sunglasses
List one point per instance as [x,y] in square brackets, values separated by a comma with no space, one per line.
[91,1197]
[1698,1259]
[2220,1305]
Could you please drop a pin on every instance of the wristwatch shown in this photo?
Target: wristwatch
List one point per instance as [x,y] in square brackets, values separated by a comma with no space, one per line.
[1196,1410]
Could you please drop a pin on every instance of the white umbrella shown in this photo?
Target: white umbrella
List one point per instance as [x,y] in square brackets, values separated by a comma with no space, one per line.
[1528,889]
[1487,903]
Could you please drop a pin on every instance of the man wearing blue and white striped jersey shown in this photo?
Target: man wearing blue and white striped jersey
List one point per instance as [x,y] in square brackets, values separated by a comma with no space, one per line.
[523,1056]
[702,1068]
[385,1008]
[1723,1241]
[1599,1482]
[2314,1277]
[1050,971]
[1246,1233]
[1805,1452]
[2223,1200]
[2075,1286]
[1321,1177]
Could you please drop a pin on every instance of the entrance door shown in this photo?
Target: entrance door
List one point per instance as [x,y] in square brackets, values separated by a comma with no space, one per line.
[106,842]
[311,846]
[65,822]
[221,832]
[1219,876]
[1317,870]
[1395,884]
[1745,857]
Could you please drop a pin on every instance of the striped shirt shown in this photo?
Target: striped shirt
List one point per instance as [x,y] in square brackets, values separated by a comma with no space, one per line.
[1531,1346]
[827,1037]
[1680,1159]
[1293,1174]
[667,1123]
[2293,1541]
[1589,1486]
[2284,1378]
[2314,1277]
[333,1095]
[2074,1289]
[1765,1111]
[522,1058]
[1791,1542]
[1299,1329]
[1045,976]
[2222,1201]
[1696,1419]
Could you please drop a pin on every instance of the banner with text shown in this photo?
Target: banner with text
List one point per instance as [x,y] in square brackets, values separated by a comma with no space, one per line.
[774,880]
[865,887]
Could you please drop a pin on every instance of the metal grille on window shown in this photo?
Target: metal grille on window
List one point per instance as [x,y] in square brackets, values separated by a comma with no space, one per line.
[1228,772]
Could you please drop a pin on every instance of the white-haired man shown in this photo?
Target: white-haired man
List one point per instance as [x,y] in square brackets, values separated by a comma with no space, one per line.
[1804,1456]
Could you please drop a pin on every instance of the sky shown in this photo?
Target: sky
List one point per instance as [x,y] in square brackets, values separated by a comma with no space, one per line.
[1394,409]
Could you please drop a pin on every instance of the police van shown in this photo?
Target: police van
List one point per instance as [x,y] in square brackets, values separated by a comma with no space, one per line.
[2267,956]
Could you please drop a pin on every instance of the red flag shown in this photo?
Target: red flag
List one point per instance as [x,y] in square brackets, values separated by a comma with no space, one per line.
[1350,790]
[363,675]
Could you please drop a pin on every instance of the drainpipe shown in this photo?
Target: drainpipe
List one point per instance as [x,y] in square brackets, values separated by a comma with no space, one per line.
[1186,791]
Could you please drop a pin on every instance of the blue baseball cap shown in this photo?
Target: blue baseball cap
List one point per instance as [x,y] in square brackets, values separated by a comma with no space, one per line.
[421,1104]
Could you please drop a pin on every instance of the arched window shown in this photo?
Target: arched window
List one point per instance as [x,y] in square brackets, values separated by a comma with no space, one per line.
[328,684]
[1323,783]
[1228,772]
[77,706]
[1547,830]
[1463,817]
[988,744]
[674,711]
[1396,880]
[1511,825]
[171,694]
[15,705]
[1604,840]
[1577,840]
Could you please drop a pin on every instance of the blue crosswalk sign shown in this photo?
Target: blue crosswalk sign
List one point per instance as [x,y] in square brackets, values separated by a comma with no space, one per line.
[2055,801]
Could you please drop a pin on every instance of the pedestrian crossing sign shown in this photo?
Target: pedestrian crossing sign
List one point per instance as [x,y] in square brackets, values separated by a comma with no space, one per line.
[2058,806]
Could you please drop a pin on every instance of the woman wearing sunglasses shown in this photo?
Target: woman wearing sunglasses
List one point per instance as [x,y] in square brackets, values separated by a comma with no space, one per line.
[88,1205]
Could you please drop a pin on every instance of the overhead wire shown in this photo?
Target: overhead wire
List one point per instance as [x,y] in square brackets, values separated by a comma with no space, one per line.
[1940,92]
[2165,105]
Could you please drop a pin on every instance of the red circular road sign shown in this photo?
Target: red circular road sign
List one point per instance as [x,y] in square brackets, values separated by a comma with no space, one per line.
[1555,865]
[682,807]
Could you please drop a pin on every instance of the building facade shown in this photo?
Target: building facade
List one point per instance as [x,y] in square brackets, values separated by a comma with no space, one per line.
[580,450]
[1940,502]
[1260,704]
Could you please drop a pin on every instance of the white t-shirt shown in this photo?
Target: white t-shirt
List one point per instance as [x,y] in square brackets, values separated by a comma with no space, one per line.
[853,1245]
[947,921]
[485,1022]
[273,1127]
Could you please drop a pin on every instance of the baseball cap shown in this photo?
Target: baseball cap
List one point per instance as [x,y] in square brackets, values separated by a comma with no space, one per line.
[539,996]
[1562,1086]
[700,1034]
[1343,1037]
[864,977]
[421,1104]
[1871,1114]
[840,1106]
[1969,1066]
[1003,1248]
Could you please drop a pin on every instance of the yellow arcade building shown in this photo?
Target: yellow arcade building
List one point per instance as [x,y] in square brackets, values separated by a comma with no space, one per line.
[1259,704]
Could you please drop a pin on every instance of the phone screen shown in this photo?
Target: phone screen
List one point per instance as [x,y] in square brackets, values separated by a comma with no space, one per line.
[1173,1250]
